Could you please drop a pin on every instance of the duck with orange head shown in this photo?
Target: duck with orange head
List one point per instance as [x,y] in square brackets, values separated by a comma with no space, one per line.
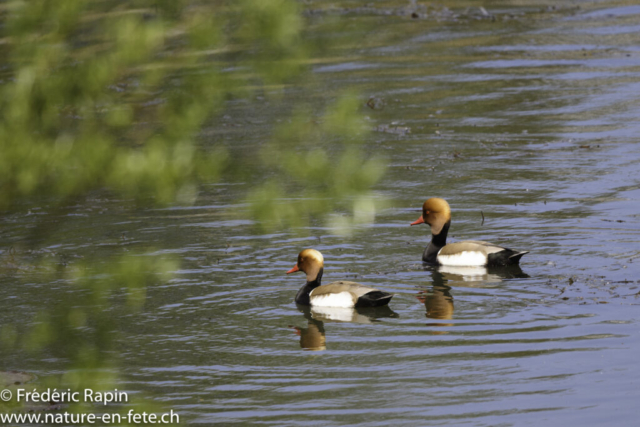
[335,294]
[437,214]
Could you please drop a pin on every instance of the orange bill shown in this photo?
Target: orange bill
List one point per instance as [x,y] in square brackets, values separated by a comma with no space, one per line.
[418,221]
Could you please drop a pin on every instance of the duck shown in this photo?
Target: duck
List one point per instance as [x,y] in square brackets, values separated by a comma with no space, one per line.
[335,294]
[437,214]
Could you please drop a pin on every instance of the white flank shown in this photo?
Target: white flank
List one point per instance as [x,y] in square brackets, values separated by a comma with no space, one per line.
[466,258]
[342,299]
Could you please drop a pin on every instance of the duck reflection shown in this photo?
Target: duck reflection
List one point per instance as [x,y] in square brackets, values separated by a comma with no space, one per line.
[474,276]
[438,300]
[313,336]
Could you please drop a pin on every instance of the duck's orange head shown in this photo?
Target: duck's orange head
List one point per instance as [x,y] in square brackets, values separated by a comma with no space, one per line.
[310,262]
[436,213]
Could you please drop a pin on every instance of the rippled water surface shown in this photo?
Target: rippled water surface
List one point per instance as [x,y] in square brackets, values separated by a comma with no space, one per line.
[529,118]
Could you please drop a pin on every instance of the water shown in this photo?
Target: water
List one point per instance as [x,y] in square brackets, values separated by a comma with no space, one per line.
[529,120]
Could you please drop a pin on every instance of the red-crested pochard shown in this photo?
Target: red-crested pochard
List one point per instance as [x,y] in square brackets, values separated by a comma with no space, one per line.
[335,294]
[437,214]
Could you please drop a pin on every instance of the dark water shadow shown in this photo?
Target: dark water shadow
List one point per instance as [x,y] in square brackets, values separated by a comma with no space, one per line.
[313,337]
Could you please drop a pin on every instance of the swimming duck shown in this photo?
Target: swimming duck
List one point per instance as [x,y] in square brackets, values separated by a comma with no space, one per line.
[437,214]
[336,294]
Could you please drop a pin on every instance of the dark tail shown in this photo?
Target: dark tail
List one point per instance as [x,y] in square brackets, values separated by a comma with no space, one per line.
[505,257]
[374,299]
[515,258]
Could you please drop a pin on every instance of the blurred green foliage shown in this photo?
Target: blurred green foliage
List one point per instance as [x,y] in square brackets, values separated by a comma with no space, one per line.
[112,96]
[314,180]
[104,97]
